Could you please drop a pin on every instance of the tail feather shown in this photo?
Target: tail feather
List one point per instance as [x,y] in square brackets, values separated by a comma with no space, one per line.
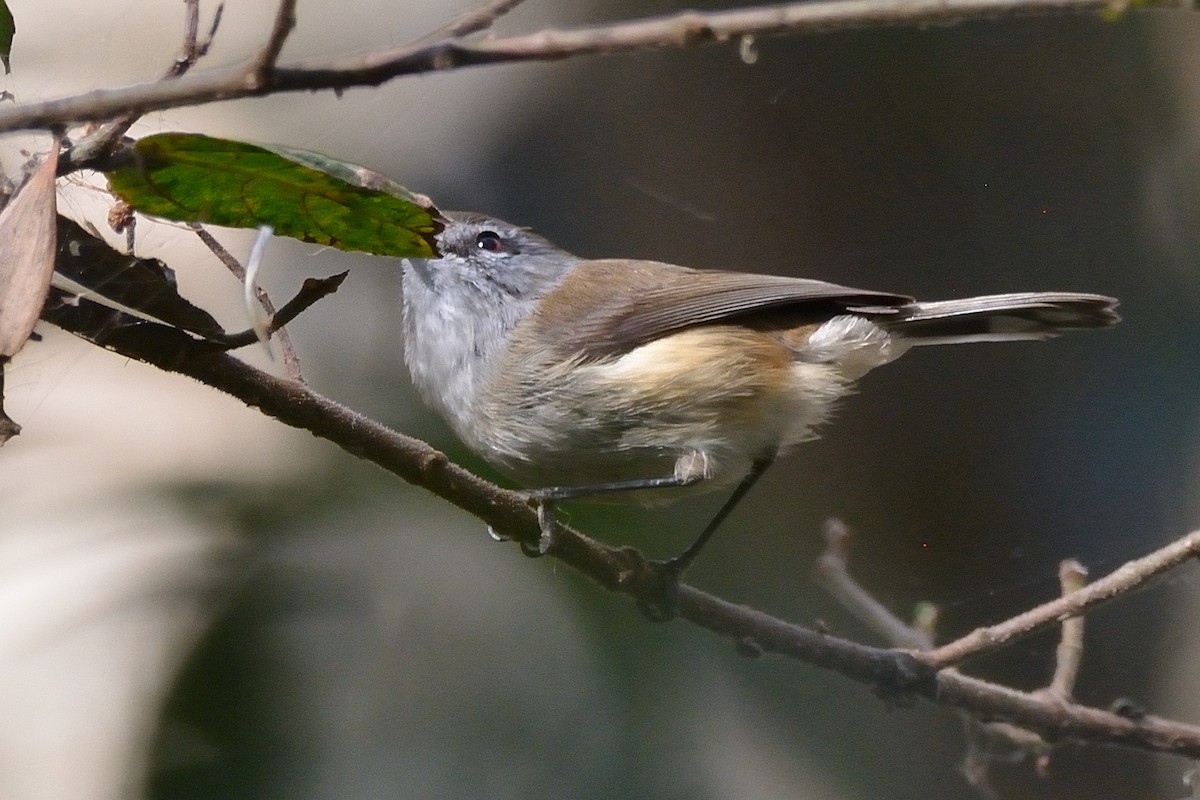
[1000,317]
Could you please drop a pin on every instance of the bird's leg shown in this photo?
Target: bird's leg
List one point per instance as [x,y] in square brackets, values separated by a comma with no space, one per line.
[690,468]
[672,569]
[548,497]
[681,562]
[587,490]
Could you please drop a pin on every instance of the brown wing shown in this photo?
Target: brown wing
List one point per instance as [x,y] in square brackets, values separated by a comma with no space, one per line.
[613,305]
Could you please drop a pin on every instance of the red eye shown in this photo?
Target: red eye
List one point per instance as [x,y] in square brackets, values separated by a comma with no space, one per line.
[490,241]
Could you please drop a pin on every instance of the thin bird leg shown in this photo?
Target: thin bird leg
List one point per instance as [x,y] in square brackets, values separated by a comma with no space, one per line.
[548,497]
[671,571]
[679,564]
[587,490]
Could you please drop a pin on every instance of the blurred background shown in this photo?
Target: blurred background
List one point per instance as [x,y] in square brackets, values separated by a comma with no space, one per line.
[196,602]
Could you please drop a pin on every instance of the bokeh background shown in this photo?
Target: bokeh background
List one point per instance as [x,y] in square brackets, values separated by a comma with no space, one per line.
[198,603]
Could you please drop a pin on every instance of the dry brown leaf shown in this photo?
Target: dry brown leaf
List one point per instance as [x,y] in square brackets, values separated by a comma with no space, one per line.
[27,249]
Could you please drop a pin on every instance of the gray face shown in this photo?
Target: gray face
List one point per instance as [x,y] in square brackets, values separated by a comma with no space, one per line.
[495,260]
[460,309]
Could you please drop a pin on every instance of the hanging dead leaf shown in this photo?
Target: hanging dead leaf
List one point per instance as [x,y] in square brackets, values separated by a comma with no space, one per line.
[27,247]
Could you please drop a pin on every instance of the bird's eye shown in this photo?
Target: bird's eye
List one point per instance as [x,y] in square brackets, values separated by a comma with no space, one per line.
[489,241]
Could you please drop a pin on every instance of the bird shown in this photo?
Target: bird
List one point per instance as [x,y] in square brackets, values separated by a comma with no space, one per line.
[587,377]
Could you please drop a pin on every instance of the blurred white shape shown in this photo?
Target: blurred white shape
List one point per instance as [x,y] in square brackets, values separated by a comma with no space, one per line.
[103,585]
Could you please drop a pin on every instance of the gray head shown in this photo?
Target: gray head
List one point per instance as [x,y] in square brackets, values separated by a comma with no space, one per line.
[460,309]
[493,258]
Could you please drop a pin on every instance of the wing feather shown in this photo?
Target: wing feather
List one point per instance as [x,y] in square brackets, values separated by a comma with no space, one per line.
[613,305]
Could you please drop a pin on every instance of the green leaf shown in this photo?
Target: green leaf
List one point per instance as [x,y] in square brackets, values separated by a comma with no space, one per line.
[8,29]
[193,178]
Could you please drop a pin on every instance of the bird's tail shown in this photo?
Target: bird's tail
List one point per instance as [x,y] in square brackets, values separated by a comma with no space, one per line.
[1000,317]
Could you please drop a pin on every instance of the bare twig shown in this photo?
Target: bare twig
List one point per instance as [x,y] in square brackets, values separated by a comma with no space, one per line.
[834,577]
[1072,577]
[104,139]
[1065,721]
[312,290]
[263,64]
[983,735]
[672,31]
[194,48]
[479,19]
[228,260]
[291,360]
[1119,582]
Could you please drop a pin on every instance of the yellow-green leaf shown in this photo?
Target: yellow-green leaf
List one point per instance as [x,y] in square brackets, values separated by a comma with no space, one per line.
[194,178]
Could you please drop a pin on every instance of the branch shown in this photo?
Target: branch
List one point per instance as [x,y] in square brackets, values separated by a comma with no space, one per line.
[834,577]
[895,673]
[1071,577]
[1121,581]
[263,64]
[105,139]
[982,734]
[1056,722]
[312,290]
[194,48]
[474,21]
[291,360]
[256,77]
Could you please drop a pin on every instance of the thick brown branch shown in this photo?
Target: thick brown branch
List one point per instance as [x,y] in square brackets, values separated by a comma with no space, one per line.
[672,31]
[895,673]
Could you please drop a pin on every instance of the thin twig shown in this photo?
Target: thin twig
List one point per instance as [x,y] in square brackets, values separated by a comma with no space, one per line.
[194,48]
[312,290]
[1119,582]
[1065,721]
[291,360]
[228,259]
[263,64]
[104,139]
[474,21]
[834,577]
[672,31]
[1072,576]
[982,735]
[191,32]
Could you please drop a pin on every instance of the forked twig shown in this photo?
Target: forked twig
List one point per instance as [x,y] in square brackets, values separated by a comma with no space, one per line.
[1120,581]
[291,361]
